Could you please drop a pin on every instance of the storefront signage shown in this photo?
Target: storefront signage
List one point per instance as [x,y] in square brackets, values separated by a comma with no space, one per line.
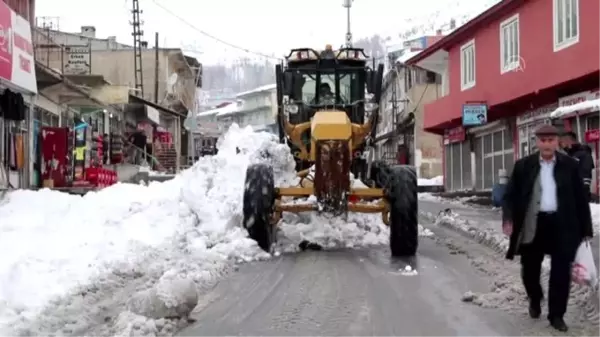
[78,60]
[17,64]
[574,99]
[455,135]
[152,114]
[578,98]
[536,115]
[474,114]
[592,136]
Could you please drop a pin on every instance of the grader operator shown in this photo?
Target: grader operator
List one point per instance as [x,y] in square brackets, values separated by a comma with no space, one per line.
[327,112]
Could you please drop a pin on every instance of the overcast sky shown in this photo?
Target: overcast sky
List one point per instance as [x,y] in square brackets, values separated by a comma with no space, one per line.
[268,26]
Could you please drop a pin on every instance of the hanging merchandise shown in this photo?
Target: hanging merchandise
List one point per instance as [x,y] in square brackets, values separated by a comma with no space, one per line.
[19,152]
[80,151]
[12,161]
[116,148]
[12,106]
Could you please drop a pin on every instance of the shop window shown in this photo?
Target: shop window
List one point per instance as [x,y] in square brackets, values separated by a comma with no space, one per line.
[457,175]
[478,162]
[467,179]
[593,122]
[493,152]
[448,167]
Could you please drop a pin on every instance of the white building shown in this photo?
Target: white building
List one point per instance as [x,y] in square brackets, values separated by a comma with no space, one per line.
[257,107]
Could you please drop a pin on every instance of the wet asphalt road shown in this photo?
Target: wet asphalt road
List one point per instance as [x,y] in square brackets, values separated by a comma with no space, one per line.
[351,292]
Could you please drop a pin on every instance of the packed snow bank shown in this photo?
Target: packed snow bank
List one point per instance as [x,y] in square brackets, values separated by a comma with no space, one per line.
[120,260]
[435,181]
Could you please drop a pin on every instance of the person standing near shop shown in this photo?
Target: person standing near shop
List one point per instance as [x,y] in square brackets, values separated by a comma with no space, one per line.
[583,154]
[545,211]
[138,139]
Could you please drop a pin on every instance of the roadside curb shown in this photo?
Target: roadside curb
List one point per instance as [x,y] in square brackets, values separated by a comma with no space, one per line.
[589,303]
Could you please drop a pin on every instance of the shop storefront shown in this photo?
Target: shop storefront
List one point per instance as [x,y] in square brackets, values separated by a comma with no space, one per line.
[586,125]
[527,123]
[493,152]
[457,160]
[17,95]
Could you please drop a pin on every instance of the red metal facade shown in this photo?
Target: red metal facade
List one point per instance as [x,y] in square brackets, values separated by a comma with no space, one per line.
[543,75]
[25,8]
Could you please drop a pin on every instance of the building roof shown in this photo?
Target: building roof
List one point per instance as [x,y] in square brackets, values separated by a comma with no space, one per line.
[263,88]
[229,109]
[467,29]
[409,54]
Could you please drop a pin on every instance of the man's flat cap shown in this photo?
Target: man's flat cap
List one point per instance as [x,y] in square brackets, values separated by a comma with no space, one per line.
[546,130]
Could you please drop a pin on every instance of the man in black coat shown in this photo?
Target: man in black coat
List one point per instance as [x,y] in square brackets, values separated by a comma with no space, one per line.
[583,154]
[546,211]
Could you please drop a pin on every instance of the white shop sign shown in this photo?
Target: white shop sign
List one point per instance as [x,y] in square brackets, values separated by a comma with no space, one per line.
[535,115]
[574,99]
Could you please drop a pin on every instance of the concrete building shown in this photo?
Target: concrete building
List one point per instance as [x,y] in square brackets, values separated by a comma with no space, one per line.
[503,73]
[170,78]
[18,79]
[258,108]
[400,136]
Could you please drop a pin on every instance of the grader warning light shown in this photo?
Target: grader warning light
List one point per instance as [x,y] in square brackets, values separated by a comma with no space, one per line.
[328,108]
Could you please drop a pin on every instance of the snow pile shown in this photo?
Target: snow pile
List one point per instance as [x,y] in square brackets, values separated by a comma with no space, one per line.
[122,260]
[593,105]
[435,181]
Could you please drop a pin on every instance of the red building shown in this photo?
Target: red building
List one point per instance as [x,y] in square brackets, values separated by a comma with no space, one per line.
[506,71]
[25,8]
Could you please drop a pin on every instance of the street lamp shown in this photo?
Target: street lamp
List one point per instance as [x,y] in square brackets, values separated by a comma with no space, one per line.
[348,4]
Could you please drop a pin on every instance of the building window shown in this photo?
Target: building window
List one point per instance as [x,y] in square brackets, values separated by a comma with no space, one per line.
[467,65]
[566,23]
[509,44]
[493,151]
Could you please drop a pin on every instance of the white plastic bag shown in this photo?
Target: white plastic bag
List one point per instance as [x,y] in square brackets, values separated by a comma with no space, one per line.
[584,270]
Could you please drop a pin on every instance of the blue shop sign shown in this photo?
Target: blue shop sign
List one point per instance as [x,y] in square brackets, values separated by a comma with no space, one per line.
[474,114]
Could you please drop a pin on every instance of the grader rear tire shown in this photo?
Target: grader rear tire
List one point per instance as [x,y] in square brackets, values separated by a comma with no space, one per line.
[402,196]
[259,198]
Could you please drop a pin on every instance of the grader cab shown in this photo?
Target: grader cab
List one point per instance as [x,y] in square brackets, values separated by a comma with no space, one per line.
[328,108]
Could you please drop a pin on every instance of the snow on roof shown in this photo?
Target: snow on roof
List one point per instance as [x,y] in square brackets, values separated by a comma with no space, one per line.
[257,90]
[407,56]
[229,109]
[593,104]
[226,110]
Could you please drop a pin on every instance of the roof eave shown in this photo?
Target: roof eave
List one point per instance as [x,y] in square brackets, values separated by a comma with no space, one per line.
[452,38]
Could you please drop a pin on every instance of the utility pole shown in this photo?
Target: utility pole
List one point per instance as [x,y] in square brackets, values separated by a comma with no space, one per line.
[348,4]
[137,47]
[156,64]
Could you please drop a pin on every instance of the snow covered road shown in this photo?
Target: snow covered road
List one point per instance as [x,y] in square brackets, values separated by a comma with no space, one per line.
[455,287]
[351,293]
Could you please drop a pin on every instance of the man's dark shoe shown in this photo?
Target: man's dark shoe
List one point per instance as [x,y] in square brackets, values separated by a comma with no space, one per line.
[558,324]
[535,309]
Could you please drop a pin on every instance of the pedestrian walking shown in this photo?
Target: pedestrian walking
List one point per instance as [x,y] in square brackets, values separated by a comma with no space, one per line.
[546,212]
[583,154]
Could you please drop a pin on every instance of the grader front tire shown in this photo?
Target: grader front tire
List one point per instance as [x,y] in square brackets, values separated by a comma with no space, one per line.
[404,226]
[259,198]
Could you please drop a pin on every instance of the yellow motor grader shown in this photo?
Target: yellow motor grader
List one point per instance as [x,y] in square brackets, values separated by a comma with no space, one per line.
[328,107]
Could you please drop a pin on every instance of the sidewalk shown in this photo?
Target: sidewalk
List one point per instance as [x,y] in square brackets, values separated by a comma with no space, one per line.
[484,224]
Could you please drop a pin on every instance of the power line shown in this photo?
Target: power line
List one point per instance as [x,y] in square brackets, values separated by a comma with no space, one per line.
[212,36]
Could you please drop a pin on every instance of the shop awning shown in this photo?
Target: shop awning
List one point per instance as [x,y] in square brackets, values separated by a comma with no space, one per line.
[139,100]
[590,105]
[111,94]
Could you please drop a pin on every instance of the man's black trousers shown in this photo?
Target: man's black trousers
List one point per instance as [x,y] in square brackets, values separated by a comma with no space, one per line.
[545,242]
